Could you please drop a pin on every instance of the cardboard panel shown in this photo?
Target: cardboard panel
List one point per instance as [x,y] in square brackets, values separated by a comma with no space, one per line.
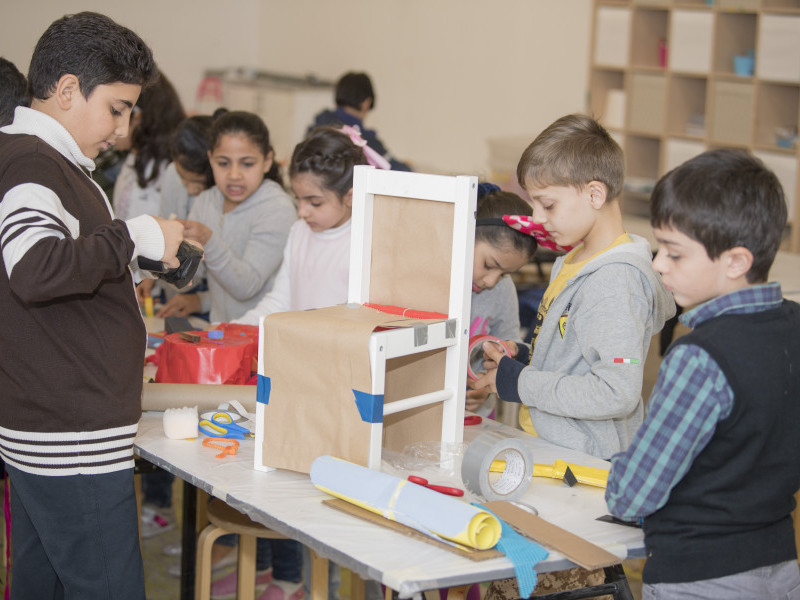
[408,376]
[412,242]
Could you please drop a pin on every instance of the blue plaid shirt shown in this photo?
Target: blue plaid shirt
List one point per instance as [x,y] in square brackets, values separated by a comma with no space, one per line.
[690,397]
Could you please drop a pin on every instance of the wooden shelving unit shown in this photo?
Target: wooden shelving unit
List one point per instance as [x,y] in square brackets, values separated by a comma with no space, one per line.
[669,79]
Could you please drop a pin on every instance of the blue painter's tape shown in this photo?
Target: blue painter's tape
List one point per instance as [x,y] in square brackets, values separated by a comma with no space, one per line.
[263,387]
[370,406]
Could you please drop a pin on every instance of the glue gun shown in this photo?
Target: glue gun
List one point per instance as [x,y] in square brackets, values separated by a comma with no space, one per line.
[189,257]
[569,472]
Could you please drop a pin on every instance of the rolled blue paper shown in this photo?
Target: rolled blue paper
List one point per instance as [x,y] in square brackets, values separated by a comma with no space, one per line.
[429,512]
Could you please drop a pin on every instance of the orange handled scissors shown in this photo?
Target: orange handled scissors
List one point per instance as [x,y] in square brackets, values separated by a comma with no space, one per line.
[232,448]
[442,489]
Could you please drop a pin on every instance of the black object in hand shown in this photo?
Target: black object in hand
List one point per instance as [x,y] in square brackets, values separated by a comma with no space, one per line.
[189,257]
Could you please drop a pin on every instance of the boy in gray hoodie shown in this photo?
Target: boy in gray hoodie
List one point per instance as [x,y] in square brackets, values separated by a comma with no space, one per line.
[582,386]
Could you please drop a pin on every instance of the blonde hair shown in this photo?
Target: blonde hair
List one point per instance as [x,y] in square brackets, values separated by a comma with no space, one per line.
[573,151]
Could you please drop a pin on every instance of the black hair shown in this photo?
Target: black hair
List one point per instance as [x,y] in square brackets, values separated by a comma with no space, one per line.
[189,146]
[92,47]
[330,155]
[493,203]
[13,91]
[573,151]
[161,113]
[724,199]
[251,125]
[353,88]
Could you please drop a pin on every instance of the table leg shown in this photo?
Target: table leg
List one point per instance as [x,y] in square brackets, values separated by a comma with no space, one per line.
[188,541]
[458,592]
[319,577]
[356,587]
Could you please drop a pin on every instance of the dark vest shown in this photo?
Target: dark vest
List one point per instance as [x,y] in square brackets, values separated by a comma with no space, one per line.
[732,511]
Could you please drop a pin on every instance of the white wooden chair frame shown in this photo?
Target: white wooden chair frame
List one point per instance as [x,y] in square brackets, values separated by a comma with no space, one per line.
[453,334]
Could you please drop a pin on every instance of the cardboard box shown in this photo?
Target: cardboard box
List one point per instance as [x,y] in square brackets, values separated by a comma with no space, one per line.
[733,105]
[778,54]
[691,33]
[612,36]
[647,103]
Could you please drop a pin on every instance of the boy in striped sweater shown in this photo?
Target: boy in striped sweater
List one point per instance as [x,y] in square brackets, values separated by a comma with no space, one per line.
[71,334]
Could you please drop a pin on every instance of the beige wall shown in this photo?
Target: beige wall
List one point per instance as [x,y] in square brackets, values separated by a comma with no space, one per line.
[449,74]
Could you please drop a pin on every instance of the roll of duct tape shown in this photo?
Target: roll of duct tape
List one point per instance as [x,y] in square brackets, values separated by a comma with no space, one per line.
[476,465]
[475,363]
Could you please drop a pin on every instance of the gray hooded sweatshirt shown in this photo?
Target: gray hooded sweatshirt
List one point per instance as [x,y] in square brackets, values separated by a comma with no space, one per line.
[584,383]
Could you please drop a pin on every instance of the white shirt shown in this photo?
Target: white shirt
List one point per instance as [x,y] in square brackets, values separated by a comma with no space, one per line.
[314,272]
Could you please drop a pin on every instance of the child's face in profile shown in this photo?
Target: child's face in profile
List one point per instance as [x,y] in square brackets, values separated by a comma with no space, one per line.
[492,262]
[321,208]
[193,182]
[564,211]
[99,121]
[239,166]
[686,269]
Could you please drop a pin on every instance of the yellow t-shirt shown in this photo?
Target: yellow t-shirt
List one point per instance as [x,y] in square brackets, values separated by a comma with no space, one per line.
[568,270]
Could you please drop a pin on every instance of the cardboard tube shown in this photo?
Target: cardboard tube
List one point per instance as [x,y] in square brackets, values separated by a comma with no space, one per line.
[161,396]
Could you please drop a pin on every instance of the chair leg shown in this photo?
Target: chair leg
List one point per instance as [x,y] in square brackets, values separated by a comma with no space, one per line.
[246,582]
[202,575]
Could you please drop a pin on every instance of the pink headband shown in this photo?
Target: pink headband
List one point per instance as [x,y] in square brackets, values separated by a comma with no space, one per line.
[373,158]
[525,224]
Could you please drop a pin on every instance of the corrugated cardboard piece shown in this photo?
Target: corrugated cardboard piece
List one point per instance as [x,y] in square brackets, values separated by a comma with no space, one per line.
[580,551]
[315,360]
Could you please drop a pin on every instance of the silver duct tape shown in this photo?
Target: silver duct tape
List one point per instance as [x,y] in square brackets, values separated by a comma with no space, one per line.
[477,462]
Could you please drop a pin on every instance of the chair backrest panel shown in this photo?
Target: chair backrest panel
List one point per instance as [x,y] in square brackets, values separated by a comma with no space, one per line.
[412,247]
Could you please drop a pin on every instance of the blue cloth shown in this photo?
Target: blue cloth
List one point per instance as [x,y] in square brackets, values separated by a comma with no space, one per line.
[341,117]
[690,397]
[522,552]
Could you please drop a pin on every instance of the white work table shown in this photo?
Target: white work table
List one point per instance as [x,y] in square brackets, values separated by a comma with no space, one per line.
[288,503]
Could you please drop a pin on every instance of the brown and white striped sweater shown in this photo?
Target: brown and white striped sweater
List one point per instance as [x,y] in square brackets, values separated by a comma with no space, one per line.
[71,335]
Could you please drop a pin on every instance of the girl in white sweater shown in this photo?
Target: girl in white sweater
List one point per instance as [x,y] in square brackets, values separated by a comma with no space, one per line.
[316,260]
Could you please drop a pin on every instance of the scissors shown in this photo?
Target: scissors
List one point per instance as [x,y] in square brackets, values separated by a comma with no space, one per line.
[231,448]
[221,425]
[442,489]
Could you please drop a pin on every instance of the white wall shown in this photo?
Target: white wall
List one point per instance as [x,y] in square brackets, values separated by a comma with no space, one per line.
[187,36]
[448,74]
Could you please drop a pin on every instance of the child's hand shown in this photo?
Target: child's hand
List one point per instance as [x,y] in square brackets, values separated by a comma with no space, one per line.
[487,381]
[181,305]
[195,231]
[496,352]
[475,398]
[173,236]
[144,290]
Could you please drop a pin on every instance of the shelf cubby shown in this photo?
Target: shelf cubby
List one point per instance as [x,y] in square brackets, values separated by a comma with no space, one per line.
[648,36]
[731,120]
[607,96]
[735,37]
[686,100]
[776,115]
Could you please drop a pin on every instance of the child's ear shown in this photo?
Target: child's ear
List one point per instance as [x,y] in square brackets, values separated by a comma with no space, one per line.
[740,259]
[268,161]
[67,89]
[597,192]
[347,199]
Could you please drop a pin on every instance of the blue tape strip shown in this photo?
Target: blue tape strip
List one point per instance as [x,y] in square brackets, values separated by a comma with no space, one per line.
[263,388]
[370,406]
